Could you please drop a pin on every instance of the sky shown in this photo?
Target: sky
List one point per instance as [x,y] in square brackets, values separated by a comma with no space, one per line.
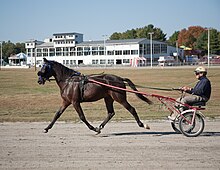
[23,20]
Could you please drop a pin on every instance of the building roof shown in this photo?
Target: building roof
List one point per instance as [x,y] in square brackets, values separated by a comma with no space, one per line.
[45,44]
[108,42]
[66,33]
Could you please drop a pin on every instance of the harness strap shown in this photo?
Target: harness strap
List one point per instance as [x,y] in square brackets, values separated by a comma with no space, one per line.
[82,83]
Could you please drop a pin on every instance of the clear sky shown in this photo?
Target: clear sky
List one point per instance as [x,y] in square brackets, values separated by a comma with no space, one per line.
[22,20]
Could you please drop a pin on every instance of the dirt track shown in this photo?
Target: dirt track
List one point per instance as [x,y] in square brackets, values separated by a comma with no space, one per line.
[119,146]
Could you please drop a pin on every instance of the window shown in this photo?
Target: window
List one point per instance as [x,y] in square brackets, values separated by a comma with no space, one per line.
[110,52]
[94,50]
[72,51]
[95,53]
[101,50]
[110,61]
[156,48]
[134,52]
[102,61]
[79,51]
[118,52]
[126,52]
[148,49]
[38,50]
[118,61]
[72,62]
[58,51]
[86,51]
[45,52]
[95,61]
[163,48]
[141,49]
[126,61]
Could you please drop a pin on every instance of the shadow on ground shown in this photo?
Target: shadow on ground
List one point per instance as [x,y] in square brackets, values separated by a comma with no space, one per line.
[155,134]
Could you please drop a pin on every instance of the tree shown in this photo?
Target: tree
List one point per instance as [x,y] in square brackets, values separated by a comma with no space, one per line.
[189,37]
[214,41]
[115,36]
[19,48]
[9,48]
[140,33]
[173,39]
[201,42]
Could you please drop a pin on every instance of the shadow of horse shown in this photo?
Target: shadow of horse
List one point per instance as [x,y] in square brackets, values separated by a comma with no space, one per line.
[139,134]
[206,134]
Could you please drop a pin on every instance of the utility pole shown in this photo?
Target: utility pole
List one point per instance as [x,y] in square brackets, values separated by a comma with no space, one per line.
[104,36]
[1,55]
[151,50]
[208,45]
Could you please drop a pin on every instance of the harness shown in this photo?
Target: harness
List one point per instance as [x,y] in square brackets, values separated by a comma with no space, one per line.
[82,81]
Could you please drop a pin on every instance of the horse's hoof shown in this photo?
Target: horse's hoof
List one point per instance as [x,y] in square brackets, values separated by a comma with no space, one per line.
[98,130]
[146,126]
[45,130]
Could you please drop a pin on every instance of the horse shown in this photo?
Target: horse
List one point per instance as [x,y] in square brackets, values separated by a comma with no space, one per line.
[76,88]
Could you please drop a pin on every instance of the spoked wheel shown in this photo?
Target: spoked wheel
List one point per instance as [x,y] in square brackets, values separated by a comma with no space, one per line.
[175,126]
[194,129]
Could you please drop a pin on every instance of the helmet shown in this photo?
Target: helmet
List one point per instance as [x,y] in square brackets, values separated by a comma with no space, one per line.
[200,69]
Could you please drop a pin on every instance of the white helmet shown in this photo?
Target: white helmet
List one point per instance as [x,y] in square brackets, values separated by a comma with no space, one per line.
[200,69]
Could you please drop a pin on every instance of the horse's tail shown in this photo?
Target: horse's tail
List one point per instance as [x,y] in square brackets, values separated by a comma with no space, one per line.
[142,97]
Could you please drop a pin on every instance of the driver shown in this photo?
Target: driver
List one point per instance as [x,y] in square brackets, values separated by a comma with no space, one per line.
[200,93]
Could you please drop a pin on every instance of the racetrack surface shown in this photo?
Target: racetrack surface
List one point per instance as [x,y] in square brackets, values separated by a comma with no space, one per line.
[121,145]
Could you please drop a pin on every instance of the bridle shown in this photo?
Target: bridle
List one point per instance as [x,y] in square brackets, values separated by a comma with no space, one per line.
[45,73]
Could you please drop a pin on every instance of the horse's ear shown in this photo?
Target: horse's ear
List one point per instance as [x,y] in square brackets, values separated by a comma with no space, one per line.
[45,60]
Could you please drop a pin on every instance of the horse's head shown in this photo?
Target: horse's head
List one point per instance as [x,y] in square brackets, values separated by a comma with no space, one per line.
[45,73]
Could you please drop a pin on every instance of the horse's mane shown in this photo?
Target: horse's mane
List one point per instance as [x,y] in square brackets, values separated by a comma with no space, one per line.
[64,70]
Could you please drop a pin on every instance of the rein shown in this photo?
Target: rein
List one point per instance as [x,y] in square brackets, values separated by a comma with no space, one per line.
[159,97]
[139,86]
[146,87]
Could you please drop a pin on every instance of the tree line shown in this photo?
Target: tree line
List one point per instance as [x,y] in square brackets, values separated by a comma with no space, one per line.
[195,37]
[9,49]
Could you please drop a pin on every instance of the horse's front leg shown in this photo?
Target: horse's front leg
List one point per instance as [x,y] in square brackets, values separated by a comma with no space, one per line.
[57,115]
[82,117]
[110,112]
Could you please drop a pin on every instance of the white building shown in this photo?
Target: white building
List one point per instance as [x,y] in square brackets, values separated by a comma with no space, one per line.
[70,49]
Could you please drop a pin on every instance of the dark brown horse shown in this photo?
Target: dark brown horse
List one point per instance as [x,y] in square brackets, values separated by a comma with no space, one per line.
[76,88]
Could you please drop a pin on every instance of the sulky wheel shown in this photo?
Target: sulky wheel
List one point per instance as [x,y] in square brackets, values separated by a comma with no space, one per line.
[194,129]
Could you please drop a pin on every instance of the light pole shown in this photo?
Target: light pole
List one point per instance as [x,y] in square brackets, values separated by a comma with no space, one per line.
[104,36]
[1,55]
[151,50]
[208,45]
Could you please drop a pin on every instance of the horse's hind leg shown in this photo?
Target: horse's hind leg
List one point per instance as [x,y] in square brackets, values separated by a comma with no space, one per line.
[82,117]
[134,113]
[110,111]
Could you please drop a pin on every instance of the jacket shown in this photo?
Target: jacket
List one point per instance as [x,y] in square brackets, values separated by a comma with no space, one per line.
[202,88]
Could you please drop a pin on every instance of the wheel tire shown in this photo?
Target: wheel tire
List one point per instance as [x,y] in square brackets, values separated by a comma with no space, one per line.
[191,130]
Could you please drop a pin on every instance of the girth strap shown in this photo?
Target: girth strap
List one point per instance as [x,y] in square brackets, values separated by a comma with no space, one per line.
[82,83]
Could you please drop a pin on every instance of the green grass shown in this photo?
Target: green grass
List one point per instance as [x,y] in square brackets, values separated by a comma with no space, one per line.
[22,99]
